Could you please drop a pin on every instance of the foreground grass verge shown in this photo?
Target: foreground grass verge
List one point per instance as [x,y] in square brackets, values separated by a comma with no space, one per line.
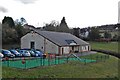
[73,69]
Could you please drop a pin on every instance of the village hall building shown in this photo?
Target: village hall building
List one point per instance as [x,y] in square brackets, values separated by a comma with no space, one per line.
[54,42]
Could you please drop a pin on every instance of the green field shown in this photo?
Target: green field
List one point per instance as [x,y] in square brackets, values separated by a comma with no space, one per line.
[111,46]
[72,69]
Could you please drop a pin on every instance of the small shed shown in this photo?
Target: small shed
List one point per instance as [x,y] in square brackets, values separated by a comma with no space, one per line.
[54,42]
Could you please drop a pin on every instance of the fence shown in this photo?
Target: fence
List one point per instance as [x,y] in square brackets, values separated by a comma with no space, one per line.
[116,54]
[31,63]
[51,60]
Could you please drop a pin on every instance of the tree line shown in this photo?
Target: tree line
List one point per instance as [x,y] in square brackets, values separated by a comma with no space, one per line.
[12,31]
[103,32]
[55,26]
[95,33]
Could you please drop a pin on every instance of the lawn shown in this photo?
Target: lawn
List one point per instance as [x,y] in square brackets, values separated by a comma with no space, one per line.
[73,69]
[111,46]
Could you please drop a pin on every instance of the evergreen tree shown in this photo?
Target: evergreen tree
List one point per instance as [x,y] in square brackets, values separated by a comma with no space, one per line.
[10,32]
[63,26]
[8,21]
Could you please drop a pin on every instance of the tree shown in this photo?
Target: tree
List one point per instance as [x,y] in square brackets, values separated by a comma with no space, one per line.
[94,34]
[115,38]
[55,26]
[8,21]
[9,34]
[49,27]
[19,27]
[54,23]
[20,31]
[12,34]
[20,21]
[63,26]
[76,32]
[52,26]
[107,35]
[23,21]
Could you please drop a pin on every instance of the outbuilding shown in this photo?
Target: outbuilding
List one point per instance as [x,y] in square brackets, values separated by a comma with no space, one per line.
[54,42]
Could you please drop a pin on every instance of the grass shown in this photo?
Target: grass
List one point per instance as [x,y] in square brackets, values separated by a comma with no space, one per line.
[73,69]
[111,46]
[93,56]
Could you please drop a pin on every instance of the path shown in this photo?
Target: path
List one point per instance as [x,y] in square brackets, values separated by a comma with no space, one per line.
[82,54]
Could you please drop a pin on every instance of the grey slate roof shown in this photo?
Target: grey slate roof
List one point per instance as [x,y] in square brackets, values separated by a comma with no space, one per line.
[60,38]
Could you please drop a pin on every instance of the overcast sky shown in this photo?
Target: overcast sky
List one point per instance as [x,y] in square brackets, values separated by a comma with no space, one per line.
[78,13]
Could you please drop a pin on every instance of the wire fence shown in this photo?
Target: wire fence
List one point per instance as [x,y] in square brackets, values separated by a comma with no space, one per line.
[37,61]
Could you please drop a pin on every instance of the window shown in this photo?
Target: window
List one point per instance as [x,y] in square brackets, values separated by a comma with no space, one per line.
[70,41]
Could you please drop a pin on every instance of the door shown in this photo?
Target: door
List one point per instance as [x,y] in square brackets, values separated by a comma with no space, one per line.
[32,45]
[62,51]
[72,48]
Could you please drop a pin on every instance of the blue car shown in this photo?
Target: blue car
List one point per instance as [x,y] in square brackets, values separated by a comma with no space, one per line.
[40,53]
[15,52]
[24,53]
[7,53]
[33,54]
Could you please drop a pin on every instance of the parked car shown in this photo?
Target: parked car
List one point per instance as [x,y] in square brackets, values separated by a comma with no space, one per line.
[7,53]
[15,52]
[1,55]
[24,53]
[40,53]
[31,52]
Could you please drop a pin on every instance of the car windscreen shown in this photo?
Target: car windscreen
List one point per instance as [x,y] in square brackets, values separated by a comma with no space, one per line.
[14,51]
[32,52]
[6,52]
[27,52]
[38,52]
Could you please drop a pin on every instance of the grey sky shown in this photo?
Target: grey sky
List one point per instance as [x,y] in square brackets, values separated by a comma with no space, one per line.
[78,13]
[3,9]
[119,12]
[26,1]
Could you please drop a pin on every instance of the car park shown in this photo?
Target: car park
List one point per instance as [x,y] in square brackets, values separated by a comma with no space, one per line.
[24,53]
[7,53]
[15,52]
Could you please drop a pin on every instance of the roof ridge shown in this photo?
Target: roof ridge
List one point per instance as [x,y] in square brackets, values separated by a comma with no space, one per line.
[53,32]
